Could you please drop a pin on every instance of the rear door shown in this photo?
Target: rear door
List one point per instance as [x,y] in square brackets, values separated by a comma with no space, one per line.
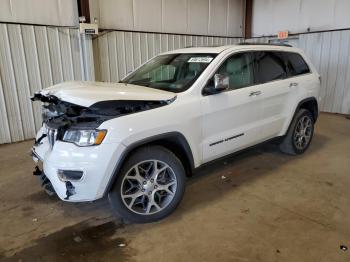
[272,79]
[280,75]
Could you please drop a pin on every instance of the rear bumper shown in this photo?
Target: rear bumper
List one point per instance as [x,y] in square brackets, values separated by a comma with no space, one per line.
[97,164]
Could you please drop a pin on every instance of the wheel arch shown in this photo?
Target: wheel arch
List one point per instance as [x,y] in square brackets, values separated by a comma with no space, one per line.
[173,141]
[309,103]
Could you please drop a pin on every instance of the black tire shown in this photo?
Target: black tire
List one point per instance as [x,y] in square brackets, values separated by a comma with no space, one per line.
[289,145]
[141,155]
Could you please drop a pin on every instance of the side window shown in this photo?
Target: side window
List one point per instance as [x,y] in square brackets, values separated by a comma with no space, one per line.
[239,69]
[296,64]
[270,66]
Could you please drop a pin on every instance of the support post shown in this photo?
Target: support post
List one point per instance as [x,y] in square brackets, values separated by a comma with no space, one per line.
[248,18]
[84,9]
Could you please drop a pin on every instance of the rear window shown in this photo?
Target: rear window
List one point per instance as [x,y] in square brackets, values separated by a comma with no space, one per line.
[296,64]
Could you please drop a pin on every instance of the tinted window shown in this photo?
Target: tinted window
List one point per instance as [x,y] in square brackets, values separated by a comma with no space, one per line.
[239,69]
[270,66]
[296,64]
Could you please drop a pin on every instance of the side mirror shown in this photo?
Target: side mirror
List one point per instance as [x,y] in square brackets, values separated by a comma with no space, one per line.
[221,82]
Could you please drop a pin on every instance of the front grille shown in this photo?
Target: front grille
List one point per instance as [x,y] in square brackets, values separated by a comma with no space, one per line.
[52,136]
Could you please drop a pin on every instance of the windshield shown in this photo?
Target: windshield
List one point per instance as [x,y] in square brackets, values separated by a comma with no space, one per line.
[173,72]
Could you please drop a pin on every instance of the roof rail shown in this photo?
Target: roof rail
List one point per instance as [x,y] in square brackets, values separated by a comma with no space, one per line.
[190,46]
[280,44]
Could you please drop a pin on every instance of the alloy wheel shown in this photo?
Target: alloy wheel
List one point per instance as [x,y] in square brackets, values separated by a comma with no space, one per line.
[148,187]
[303,132]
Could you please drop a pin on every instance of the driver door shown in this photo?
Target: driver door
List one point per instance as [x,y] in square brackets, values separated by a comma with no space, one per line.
[231,119]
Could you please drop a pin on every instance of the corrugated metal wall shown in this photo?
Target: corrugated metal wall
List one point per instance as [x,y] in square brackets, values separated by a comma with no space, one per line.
[40,12]
[32,58]
[330,53]
[297,16]
[118,52]
[35,57]
[192,17]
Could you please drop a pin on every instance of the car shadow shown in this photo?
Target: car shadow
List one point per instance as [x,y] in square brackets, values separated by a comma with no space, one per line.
[209,184]
[216,179]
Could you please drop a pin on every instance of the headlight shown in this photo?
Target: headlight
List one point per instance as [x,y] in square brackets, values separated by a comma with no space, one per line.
[85,137]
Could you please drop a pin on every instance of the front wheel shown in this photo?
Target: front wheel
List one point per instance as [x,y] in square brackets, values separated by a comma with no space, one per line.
[300,133]
[150,185]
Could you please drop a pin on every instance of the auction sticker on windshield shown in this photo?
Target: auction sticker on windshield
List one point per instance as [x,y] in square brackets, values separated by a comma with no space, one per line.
[200,59]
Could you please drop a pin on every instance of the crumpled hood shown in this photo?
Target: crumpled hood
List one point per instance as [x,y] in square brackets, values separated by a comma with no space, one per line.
[85,93]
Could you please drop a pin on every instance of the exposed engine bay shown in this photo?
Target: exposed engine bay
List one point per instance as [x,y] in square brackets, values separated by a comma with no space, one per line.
[61,115]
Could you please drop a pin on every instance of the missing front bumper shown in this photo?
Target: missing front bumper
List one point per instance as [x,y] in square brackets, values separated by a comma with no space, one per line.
[44,181]
[47,186]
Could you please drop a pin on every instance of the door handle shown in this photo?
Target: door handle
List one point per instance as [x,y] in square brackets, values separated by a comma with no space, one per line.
[255,93]
[293,84]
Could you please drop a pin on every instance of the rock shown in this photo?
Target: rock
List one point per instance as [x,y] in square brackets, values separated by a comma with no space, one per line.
[77,239]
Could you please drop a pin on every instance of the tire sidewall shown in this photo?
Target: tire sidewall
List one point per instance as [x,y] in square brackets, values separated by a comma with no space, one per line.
[302,113]
[144,154]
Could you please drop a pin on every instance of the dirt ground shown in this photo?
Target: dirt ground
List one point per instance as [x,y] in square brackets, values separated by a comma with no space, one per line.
[259,205]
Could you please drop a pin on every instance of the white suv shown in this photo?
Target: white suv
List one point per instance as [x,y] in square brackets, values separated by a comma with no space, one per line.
[137,140]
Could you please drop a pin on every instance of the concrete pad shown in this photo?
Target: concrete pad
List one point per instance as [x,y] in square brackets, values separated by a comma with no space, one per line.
[259,205]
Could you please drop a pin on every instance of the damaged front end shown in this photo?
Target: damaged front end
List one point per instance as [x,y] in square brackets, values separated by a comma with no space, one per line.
[61,116]
[67,122]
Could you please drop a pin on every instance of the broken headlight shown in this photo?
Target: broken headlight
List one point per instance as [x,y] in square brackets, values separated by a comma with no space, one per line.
[84,137]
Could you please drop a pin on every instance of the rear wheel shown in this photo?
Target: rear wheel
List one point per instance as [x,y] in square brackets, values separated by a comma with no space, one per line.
[150,186]
[300,133]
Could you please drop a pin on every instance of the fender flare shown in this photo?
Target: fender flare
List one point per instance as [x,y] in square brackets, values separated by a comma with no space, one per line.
[316,113]
[316,110]
[180,138]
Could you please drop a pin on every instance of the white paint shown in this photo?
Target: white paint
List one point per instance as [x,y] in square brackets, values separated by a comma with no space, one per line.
[202,120]
[89,93]
[271,16]
[329,52]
